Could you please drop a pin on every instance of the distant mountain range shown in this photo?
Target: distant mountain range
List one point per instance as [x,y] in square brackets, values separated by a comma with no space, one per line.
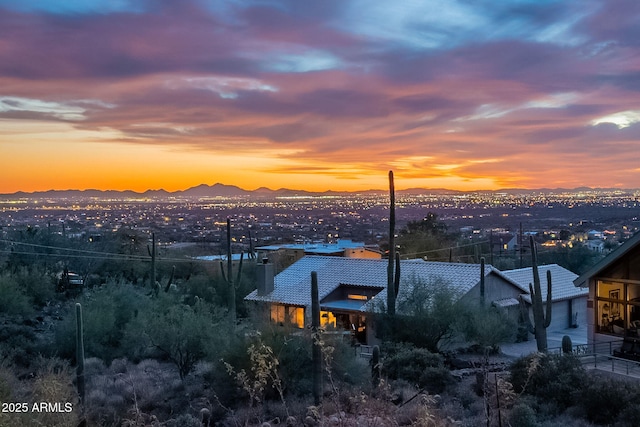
[204,191]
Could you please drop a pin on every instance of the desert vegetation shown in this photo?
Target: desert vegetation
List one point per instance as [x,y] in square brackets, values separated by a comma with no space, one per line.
[170,355]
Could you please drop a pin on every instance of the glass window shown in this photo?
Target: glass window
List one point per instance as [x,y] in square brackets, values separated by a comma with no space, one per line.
[290,315]
[612,309]
[327,318]
[612,290]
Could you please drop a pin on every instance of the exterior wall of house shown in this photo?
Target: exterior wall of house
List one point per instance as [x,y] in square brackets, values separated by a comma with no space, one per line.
[362,253]
[496,288]
[564,312]
[580,309]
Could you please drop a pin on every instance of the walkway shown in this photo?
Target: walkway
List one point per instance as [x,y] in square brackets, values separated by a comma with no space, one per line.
[554,341]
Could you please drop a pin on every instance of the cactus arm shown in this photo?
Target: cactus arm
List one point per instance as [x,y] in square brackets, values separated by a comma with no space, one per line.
[237,282]
[530,326]
[168,286]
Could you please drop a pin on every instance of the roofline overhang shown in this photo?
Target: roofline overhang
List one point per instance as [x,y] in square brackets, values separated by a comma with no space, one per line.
[620,251]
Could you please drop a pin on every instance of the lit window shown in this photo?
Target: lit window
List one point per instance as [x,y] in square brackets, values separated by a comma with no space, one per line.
[287,315]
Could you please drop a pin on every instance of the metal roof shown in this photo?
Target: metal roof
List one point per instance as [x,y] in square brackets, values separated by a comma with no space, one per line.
[317,248]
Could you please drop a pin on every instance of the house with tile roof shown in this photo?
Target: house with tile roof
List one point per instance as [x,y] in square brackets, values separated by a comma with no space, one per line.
[288,253]
[351,289]
[613,305]
[569,303]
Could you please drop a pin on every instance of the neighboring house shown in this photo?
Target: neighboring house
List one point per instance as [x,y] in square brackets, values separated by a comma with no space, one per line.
[350,289]
[220,261]
[291,252]
[569,303]
[595,245]
[516,245]
[613,307]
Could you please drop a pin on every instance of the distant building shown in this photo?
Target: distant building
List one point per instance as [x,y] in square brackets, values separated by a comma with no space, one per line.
[288,253]
[596,245]
[216,261]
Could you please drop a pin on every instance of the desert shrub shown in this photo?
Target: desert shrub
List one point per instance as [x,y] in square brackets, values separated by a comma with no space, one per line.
[604,399]
[200,286]
[39,286]
[432,304]
[486,327]
[126,391]
[345,365]
[184,420]
[106,311]
[550,377]
[418,366]
[14,299]
[629,416]
[294,354]
[52,383]
[522,415]
[18,344]
[177,332]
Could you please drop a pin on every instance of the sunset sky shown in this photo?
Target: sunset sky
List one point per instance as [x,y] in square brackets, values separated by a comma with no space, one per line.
[319,95]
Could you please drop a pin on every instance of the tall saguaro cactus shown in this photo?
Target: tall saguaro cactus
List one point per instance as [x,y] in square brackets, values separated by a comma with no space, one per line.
[316,354]
[228,277]
[482,284]
[79,352]
[152,254]
[541,321]
[391,288]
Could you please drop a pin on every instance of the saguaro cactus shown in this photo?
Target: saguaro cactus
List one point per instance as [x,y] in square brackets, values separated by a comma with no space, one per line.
[228,277]
[391,288]
[396,279]
[316,355]
[79,352]
[152,254]
[376,366]
[167,287]
[567,345]
[540,319]
[482,285]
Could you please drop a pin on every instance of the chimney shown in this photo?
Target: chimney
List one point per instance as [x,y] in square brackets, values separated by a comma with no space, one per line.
[265,277]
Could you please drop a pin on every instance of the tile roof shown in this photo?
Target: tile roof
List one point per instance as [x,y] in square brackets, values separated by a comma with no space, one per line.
[292,286]
[562,286]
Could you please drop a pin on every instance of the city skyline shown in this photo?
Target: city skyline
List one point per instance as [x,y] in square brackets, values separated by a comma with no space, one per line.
[133,95]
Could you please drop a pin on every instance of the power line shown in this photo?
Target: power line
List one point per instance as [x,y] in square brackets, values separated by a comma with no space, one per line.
[87,254]
[445,249]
